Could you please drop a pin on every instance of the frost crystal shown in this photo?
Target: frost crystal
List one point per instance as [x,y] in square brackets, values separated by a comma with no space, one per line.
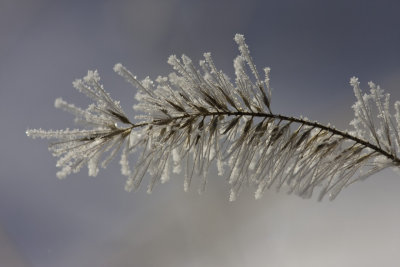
[196,117]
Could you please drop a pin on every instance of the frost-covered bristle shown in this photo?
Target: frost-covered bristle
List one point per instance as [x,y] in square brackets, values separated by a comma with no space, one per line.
[125,169]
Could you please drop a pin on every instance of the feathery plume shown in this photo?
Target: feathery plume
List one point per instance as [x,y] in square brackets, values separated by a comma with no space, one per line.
[196,117]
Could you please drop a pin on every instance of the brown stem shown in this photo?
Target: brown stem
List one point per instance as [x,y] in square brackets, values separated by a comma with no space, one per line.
[334,131]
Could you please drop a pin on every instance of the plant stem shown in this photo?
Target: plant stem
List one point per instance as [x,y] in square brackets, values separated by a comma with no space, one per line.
[334,131]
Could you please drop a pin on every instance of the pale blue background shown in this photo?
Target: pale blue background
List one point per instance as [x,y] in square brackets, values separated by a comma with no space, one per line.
[313,47]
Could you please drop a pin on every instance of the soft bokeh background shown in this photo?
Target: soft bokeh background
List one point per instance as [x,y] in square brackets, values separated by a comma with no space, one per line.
[313,47]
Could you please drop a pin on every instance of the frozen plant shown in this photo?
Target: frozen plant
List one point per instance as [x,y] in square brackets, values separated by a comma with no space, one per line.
[196,117]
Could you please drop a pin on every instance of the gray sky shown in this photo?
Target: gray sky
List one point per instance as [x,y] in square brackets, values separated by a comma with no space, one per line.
[313,48]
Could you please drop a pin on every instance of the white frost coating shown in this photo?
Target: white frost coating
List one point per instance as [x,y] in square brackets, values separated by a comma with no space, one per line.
[267,72]
[92,76]
[260,190]
[176,64]
[238,65]
[397,115]
[177,161]
[244,50]
[93,166]
[186,60]
[64,172]
[186,185]
[118,68]
[232,195]
[129,185]
[125,170]
[165,174]
[129,77]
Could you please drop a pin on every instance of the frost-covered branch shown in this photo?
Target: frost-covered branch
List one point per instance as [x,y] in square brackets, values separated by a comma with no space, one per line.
[195,118]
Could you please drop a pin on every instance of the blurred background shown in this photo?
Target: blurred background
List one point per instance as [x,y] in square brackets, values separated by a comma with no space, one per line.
[313,48]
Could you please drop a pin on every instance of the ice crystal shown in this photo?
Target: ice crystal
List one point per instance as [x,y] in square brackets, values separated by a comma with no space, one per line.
[196,117]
